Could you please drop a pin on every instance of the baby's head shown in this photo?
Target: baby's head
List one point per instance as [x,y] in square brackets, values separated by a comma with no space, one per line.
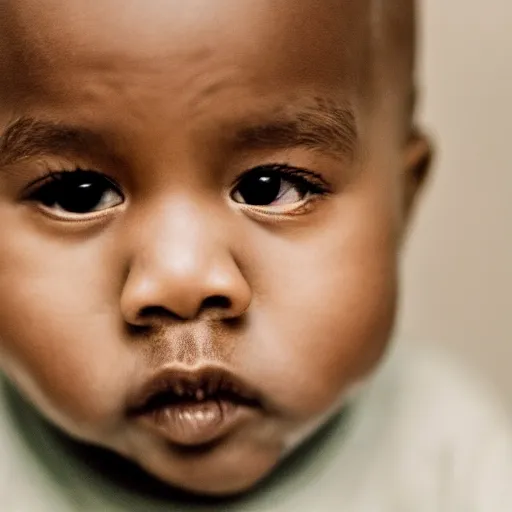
[201,206]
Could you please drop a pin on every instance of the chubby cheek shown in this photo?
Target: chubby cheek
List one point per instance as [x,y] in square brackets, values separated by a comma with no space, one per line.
[58,340]
[332,309]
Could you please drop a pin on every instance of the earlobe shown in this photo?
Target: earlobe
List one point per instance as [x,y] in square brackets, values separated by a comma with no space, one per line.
[418,157]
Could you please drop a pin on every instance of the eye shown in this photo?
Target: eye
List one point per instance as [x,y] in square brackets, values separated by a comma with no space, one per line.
[278,185]
[77,192]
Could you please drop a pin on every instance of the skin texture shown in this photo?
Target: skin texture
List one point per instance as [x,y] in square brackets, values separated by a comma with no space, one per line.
[174,101]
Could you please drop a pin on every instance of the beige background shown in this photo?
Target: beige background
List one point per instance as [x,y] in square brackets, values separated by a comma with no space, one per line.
[458,271]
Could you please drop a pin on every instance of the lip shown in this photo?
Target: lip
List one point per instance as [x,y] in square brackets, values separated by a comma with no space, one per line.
[194,407]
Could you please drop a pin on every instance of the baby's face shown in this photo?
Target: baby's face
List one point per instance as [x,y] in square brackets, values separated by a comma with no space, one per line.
[200,209]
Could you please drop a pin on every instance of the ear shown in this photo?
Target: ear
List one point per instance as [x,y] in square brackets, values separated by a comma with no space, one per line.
[418,155]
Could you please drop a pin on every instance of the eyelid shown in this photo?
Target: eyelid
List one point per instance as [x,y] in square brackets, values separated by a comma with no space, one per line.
[314,179]
[83,218]
[319,189]
[280,213]
[51,176]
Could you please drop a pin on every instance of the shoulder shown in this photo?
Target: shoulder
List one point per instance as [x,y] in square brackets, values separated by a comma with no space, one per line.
[430,386]
[446,431]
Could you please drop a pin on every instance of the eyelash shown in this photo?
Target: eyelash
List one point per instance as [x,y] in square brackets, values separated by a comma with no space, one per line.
[54,177]
[297,176]
[310,183]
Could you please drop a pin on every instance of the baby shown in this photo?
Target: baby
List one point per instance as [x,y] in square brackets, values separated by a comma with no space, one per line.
[202,206]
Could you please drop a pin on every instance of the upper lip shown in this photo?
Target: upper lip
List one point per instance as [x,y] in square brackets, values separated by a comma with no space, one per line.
[173,384]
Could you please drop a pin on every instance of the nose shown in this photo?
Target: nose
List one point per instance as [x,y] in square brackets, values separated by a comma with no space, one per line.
[182,266]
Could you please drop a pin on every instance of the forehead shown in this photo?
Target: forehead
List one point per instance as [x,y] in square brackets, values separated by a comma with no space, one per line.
[156,71]
[303,38]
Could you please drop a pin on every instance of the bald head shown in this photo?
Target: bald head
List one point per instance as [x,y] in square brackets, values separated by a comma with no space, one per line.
[391,30]
[379,36]
[393,51]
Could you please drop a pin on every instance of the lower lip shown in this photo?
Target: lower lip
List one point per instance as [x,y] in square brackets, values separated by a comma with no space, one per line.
[194,424]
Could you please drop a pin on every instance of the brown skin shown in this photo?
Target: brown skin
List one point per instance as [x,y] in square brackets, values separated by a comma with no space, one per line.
[301,304]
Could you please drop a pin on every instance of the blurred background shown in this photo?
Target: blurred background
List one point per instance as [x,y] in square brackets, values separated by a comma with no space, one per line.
[458,263]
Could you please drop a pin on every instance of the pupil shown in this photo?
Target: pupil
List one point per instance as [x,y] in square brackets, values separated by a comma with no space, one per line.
[79,197]
[262,189]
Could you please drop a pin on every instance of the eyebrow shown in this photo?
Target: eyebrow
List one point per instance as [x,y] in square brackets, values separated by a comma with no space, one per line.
[320,126]
[27,137]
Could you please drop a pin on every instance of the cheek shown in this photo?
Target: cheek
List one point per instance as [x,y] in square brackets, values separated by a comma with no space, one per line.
[58,341]
[332,309]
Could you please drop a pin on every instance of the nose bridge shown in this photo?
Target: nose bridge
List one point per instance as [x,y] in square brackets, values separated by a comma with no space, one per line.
[179,238]
[181,259]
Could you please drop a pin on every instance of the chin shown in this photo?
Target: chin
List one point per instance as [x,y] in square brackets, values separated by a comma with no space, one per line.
[218,484]
[222,471]
[226,488]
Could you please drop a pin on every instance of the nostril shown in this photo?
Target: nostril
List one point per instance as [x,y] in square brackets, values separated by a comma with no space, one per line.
[157,311]
[150,314]
[216,302]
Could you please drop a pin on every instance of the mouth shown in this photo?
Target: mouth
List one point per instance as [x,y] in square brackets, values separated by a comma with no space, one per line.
[193,408]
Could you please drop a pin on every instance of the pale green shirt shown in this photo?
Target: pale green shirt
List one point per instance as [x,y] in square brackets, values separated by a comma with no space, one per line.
[420,437]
